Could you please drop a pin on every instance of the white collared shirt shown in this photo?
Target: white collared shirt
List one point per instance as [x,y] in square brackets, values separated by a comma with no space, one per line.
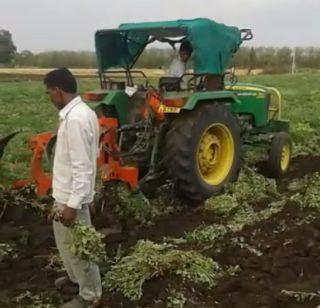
[77,149]
[177,68]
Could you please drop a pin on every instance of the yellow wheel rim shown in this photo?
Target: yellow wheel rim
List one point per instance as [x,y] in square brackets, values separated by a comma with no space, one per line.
[215,154]
[285,157]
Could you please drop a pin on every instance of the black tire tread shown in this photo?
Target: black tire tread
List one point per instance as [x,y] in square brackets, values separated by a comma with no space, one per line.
[277,143]
[178,148]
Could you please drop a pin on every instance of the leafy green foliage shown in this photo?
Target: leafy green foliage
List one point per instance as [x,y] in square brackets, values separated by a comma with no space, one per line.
[7,47]
[309,196]
[165,200]
[129,205]
[251,156]
[252,186]
[306,139]
[7,251]
[297,185]
[86,243]
[29,300]
[22,198]
[300,297]
[241,215]
[222,205]
[207,234]
[148,260]
[54,262]
[133,206]
[176,300]
[246,216]
[241,242]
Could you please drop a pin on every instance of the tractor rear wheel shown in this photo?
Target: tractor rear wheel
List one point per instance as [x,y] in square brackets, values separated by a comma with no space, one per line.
[203,151]
[279,155]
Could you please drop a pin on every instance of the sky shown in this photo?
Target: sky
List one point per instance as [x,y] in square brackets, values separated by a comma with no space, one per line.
[40,25]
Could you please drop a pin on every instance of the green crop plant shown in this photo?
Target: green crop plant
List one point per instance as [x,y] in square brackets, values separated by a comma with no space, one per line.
[129,205]
[149,260]
[309,196]
[222,205]
[306,139]
[312,193]
[54,262]
[30,300]
[244,215]
[299,296]
[240,241]
[24,198]
[247,216]
[298,185]
[7,251]
[252,186]
[176,299]
[86,243]
[207,234]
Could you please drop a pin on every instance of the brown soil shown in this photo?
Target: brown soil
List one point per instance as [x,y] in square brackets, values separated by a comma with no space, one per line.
[174,225]
[303,165]
[300,166]
[290,259]
[27,271]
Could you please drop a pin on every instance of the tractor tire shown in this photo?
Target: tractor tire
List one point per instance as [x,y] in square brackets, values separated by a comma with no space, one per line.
[202,151]
[279,155]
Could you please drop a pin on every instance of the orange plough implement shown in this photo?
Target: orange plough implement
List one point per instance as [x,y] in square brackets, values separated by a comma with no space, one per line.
[108,160]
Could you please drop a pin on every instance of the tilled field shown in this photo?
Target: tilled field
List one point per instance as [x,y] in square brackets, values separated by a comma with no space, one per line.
[275,257]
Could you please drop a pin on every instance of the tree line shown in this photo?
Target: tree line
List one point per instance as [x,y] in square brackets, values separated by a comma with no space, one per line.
[269,59]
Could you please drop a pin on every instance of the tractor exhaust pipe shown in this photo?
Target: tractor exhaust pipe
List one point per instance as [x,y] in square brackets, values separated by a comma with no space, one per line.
[246,34]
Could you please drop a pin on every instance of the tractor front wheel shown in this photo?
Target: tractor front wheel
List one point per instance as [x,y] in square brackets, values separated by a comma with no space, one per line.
[279,155]
[203,151]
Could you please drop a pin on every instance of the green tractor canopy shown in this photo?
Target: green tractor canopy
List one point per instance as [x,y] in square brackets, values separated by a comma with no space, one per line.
[213,43]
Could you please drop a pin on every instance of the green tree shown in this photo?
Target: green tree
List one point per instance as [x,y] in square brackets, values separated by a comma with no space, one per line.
[24,58]
[7,47]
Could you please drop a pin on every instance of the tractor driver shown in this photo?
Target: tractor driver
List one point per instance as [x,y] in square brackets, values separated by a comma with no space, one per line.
[178,65]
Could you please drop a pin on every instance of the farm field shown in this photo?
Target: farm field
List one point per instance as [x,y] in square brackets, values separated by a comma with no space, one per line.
[256,245]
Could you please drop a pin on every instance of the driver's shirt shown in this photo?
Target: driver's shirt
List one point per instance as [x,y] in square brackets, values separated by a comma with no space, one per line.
[177,68]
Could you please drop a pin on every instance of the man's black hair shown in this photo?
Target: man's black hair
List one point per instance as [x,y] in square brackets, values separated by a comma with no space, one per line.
[61,78]
[186,46]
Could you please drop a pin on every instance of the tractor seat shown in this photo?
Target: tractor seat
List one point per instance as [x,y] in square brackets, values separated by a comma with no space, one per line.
[169,83]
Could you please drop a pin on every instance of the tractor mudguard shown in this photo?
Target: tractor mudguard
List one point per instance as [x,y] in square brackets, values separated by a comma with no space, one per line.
[252,102]
[121,101]
[200,97]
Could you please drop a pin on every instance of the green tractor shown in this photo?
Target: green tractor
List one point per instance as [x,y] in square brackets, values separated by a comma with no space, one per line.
[192,135]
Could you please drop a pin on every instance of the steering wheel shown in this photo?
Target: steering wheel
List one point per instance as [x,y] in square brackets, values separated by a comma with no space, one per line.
[191,83]
[231,78]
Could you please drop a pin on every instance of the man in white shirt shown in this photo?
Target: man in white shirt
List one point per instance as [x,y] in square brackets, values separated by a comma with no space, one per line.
[74,172]
[178,65]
